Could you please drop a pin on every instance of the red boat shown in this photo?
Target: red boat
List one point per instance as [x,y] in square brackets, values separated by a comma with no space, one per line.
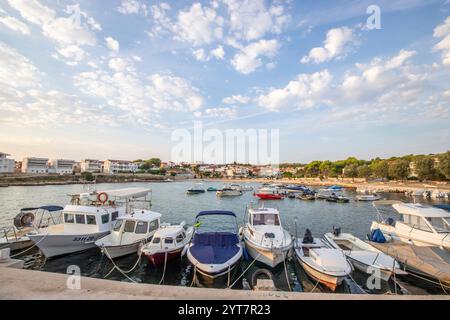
[168,240]
[158,259]
[269,194]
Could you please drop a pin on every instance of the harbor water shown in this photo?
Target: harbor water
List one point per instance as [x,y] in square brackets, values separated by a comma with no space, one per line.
[171,200]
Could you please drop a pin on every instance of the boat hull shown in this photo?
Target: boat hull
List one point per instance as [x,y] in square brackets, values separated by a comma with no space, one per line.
[157,259]
[385,274]
[263,196]
[58,245]
[220,279]
[330,281]
[16,245]
[122,250]
[272,258]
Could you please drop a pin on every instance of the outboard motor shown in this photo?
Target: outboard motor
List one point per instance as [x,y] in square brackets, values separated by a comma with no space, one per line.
[390,221]
[308,238]
[336,231]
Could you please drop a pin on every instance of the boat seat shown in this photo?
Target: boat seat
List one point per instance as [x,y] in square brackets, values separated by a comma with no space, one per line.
[214,247]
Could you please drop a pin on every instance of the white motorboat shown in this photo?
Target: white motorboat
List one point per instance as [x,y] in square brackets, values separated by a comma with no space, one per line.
[168,243]
[368,197]
[364,256]
[264,236]
[196,189]
[323,264]
[327,193]
[228,192]
[29,220]
[129,232]
[87,219]
[241,188]
[437,194]
[214,252]
[421,225]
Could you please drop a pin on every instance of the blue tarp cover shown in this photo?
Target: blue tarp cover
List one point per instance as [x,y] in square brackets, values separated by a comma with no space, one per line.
[48,208]
[214,247]
[377,236]
[216,212]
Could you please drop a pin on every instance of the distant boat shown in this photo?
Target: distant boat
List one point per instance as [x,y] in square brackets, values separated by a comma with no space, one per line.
[212,189]
[269,194]
[338,199]
[196,189]
[368,197]
[335,187]
[306,196]
[241,188]
[228,192]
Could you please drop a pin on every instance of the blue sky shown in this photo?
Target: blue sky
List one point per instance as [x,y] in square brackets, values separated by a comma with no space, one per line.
[132,71]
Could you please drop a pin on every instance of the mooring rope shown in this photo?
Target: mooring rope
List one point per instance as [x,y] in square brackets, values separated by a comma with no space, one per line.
[195,275]
[285,271]
[164,271]
[244,272]
[28,249]
[118,268]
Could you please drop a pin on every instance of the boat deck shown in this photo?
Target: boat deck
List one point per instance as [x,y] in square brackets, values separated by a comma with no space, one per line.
[429,261]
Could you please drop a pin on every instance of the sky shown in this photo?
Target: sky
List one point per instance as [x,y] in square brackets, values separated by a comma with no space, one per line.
[114,79]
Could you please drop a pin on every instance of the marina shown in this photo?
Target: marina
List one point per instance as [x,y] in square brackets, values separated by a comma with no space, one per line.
[160,255]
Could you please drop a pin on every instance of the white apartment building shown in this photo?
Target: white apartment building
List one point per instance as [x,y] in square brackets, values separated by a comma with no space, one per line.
[6,165]
[91,165]
[34,165]
[116,166]
[61,166]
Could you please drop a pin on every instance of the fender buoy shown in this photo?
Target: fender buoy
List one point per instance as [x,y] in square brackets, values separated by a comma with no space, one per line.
[102,197]
[258,273]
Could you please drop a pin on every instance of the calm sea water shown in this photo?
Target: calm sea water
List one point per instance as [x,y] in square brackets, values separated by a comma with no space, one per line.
[171,200]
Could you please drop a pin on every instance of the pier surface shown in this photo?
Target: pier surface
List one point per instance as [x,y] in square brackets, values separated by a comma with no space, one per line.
[28,284]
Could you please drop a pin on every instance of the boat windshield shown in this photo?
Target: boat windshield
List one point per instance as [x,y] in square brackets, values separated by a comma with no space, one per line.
[268,219]
[441,225]
[117,225]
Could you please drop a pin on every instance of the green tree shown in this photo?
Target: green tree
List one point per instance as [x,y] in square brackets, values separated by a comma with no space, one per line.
[425,168]
[88,176]
[312,169]
[351,170]
[364,171]
[380,169]
[399,169]
[444,164]
[287,174]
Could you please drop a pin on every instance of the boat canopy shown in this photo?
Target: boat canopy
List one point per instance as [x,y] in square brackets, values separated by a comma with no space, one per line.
[443,206]
[47,208]
[335,187]
[420,210]
[263,211]
[145,215]
[127,193]
[216,212]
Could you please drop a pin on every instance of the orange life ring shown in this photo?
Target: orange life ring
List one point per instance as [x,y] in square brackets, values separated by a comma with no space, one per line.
[102,197]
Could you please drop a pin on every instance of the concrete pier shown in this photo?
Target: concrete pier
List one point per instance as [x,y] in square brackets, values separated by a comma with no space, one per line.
[28,284]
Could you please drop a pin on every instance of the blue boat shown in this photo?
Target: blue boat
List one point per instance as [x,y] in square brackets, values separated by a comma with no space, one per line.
[335,187]
[214,253]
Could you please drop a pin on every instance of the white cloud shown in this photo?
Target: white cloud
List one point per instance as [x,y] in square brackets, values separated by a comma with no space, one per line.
[73,54]
[443,31]
[128,7]
[306,91]
[200,54]
[17,71]
[161,21]
[249,59]
[63,31]
[334,46]
[15,24]
[118,64]
[221,112]
[33,11]
[218,53]
[236,99]
[251,19]
[198,25]
[112,44]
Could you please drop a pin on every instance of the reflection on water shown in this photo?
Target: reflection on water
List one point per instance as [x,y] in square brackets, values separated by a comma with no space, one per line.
[171,200]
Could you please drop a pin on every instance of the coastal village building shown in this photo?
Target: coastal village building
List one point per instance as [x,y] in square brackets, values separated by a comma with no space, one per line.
[61,166]
[34,165]
[117,166]
[6,165]
[91,165]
